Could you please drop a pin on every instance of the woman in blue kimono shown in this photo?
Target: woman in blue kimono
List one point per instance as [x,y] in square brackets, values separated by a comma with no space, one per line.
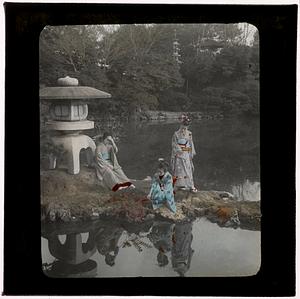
[161,191]
[183,151]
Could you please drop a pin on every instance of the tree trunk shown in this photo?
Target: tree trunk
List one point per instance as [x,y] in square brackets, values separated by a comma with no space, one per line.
[73,64]
[187,87]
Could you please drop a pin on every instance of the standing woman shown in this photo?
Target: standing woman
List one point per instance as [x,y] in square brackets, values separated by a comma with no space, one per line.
[108,169]
[183,151]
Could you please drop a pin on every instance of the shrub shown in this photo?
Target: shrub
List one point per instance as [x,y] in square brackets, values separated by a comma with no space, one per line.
[172,100]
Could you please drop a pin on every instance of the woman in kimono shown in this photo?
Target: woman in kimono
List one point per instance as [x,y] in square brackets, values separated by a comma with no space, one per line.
[162,188]
[182,155]
[108,169]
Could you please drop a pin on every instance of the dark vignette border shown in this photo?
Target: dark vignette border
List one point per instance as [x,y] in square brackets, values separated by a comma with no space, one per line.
[22,253]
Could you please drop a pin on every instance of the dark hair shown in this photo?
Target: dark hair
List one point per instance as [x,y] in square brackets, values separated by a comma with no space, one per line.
[110,259]
[106,134]
[186,123]
[99,139]
[162,259]
[162,164]
[185,119]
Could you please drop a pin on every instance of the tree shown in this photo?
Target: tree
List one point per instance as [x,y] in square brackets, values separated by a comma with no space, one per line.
[65,49]
[135,63]
[141,66]
[232,63]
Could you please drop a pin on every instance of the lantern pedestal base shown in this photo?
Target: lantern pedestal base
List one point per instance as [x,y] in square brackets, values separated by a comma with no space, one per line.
[77,251]
[73,145]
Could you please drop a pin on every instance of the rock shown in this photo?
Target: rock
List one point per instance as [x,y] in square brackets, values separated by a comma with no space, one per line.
[95,215]
[52,216]
[80,197]
[200,211]
[64,215]
[196,202]
[225,195]
[149,217]
[165,213]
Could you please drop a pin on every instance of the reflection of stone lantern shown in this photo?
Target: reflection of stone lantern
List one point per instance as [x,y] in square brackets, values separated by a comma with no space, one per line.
[73,255]
[69,112]
[73,250]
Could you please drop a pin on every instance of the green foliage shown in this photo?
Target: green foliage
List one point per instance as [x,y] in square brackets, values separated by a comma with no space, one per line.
[232,63]
[226,100]
[174,101]
[219,69]
[47,149]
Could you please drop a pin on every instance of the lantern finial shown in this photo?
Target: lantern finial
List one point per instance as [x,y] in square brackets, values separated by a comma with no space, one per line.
[67,81]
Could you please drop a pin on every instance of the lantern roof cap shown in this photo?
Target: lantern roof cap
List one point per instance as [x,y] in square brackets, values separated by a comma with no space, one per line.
[68,89]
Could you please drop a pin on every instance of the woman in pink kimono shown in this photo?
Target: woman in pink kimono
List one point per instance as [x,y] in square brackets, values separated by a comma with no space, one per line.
[108,169]
[182,155]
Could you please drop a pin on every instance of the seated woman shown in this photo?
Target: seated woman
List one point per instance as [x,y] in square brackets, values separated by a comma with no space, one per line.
[162,188]
[108,169]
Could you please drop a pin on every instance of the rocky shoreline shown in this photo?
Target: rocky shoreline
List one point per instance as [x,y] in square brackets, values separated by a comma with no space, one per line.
[160,115]
[78,198]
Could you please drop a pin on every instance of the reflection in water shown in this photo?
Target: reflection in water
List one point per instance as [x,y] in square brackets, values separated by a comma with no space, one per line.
[73,251]
[72,256]
[162,238]
[247,191]
[155,248]
[182,251]
[107,243]
[61,269]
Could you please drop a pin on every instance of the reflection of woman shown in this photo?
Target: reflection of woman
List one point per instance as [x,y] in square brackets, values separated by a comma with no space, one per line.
[183,152]
[162,188]
[108,169]
[182,251]
[107,243]
[161,237]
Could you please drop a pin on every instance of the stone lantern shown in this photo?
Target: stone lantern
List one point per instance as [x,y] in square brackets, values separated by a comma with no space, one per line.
[69,111]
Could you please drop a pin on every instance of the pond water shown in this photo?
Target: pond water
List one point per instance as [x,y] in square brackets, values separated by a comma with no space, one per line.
[227,153]
[156,249]
[227,160]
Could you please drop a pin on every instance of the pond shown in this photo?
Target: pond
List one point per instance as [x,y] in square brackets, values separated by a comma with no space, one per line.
[227,159]
[227,153]
[155,249]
